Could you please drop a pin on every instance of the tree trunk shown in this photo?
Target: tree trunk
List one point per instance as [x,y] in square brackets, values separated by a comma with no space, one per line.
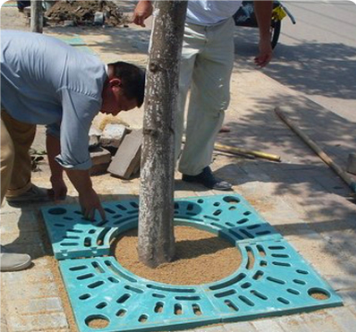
[36,16]
[156,233]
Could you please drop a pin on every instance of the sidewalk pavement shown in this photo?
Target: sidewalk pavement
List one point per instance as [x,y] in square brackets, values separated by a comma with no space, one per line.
[300,196]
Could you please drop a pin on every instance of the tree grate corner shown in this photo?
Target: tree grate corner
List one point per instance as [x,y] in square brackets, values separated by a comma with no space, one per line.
[273,278]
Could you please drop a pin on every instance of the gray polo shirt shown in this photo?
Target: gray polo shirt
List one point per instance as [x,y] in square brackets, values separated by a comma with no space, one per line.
[45,81]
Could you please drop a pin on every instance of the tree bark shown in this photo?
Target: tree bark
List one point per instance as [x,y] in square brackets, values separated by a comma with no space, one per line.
[155,232]
[36,16]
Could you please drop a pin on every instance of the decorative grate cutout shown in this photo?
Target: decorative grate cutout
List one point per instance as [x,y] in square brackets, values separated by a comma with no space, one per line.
[272,279]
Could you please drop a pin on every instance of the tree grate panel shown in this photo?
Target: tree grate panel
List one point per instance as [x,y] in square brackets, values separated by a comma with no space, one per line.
[273,278]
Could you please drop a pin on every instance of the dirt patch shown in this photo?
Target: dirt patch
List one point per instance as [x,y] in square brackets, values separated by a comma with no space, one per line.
[201,257]
[83,12]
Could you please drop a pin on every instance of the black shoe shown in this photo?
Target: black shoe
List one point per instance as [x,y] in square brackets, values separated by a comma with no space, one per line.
[207,179]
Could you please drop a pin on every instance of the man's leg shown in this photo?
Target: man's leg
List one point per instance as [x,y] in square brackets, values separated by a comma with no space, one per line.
[7,159]
[20,188]
[9,261]
[210,96]
[192,42]
[22,135]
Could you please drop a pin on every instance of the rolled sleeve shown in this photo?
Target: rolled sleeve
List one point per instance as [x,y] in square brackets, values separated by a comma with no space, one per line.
[78,113]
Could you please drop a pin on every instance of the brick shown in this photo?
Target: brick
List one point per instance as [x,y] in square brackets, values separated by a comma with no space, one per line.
[31,291]
[35,306]
[293,324]
[343,282]
[44,322]
[267,325]
[320,321]
[348,296]
[344,318]
[13,222]
[29,276]
[101,159]
[211,329]
[128,155]
[242,326]
[113,135]
[100,156]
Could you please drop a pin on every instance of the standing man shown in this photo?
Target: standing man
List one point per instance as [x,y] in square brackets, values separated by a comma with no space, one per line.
[206,66]
[45,81]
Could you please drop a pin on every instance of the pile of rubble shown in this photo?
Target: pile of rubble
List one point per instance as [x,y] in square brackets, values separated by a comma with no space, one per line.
[85,13]
[115,149]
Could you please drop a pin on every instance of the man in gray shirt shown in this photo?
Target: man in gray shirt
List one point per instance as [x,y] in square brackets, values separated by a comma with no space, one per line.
[45,81]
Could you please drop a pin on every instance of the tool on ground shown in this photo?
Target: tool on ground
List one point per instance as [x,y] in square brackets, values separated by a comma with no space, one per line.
[339,171]
[234,150]
[245,152]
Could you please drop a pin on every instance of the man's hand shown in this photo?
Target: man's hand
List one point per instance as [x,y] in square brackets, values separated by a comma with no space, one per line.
[263,11]
[59,189]
[142,11]
[90,202]
[88,198]
[265,54]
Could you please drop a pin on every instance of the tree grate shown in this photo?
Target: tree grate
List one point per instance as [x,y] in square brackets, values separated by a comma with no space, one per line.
[273,278]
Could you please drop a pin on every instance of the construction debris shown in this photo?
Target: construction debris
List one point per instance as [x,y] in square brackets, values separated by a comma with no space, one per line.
[127,159]
[101,159]
[87,13]
[112,135]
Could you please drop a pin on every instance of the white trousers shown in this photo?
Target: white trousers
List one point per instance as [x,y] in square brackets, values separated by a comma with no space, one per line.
[206,66]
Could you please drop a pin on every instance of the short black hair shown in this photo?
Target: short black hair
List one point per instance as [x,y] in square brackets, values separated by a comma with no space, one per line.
[133,80]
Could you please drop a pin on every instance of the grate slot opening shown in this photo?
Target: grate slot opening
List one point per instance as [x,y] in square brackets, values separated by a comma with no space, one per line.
[159,307]
[275,280]
[242,221]
[121,313]
[231,305]
[246,300]
[196,309]
[178,309]
[96,284]
[259,295]
[123,298]
[143,318]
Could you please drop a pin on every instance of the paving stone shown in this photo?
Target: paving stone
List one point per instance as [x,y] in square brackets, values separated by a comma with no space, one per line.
[219,328]
[113,135]
[240,327]
[127,158]
[3,323]
[14,222]
[320,321]
[29,276]
[101,159]
[43,322]
[344,318]
[35,306]
[293,324]
[267,325]
[348,296]
[342,282]
[21,238]
[31,291]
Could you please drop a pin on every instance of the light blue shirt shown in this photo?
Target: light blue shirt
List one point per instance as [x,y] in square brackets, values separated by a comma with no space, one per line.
[203,12]
[45,81]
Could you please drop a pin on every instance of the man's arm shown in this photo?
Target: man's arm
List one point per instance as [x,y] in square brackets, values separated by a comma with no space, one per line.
[88,198]
[263,10]
[142,11]
[59,188]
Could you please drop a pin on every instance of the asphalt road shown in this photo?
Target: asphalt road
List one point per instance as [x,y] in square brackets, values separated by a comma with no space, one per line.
[316,56]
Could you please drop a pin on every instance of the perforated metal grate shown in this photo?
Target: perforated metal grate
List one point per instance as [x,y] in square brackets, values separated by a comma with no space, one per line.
[272,279]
